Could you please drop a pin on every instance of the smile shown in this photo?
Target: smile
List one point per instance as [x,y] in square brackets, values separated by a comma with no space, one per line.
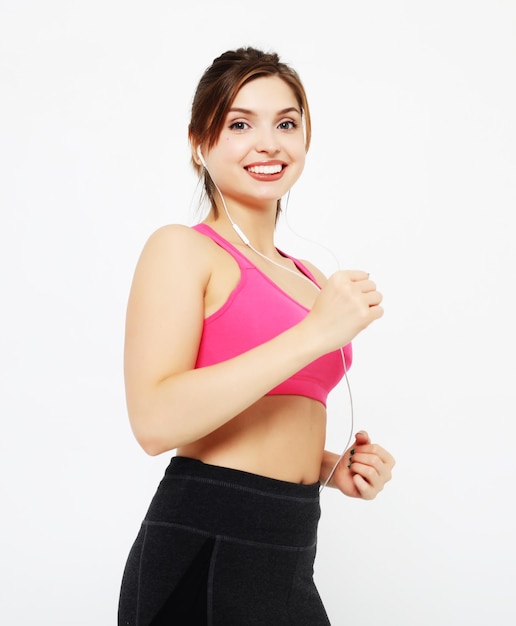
[265,169]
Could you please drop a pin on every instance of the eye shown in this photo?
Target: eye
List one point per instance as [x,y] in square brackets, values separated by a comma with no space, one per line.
[239,125]
[287,125]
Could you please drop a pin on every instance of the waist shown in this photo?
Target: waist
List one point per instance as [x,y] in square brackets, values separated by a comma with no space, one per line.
[279,437]
[240,505]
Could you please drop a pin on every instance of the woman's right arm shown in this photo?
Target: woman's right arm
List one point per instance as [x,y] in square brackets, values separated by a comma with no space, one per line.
[169,402]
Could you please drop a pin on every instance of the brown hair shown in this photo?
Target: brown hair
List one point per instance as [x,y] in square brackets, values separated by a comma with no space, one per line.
[218,88]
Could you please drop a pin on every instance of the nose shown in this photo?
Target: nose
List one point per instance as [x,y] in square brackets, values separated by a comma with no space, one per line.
[268,141]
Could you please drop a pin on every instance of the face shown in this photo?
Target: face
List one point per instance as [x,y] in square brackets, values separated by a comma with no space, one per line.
[260,152]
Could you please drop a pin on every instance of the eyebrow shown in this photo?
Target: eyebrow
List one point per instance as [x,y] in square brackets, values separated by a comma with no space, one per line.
[249,112]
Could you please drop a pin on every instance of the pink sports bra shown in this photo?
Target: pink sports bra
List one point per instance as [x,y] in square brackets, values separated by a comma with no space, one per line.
[256,311]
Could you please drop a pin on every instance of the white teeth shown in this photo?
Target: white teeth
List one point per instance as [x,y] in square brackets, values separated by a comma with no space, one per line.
[265,169]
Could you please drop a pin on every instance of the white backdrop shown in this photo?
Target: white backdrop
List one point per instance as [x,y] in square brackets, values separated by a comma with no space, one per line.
[411,176]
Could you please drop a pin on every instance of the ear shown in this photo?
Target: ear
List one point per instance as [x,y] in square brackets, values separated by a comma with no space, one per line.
[195,154]
[199,158]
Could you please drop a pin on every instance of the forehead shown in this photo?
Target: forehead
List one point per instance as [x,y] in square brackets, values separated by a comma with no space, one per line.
[266,92]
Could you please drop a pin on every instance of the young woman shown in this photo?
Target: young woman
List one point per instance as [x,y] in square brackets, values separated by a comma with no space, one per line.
[232,347]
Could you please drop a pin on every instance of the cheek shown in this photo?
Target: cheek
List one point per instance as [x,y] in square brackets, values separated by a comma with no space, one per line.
[301,157]
[234,151]
[299,150]
[298,166]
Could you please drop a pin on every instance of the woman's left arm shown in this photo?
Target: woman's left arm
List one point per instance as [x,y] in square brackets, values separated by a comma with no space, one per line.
[363,470]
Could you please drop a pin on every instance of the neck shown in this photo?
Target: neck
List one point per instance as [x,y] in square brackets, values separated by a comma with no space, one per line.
[243,226]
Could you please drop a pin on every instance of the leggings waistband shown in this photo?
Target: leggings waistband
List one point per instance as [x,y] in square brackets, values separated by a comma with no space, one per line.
[238,505]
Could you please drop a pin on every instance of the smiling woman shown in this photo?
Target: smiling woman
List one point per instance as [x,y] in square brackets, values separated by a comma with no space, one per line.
[232,348]
[261,140]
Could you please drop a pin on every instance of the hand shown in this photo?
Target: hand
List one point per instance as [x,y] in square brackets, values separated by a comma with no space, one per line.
[346,305]
[364,469]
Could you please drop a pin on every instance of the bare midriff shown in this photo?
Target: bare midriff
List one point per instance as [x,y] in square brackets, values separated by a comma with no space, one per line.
[281,437]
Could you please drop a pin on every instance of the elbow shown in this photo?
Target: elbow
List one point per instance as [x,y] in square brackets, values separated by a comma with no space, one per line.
[153,448]
[157,429]
[150,437]
[153,445]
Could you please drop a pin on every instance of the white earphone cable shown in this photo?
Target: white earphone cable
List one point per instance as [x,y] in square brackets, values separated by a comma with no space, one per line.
[246,241]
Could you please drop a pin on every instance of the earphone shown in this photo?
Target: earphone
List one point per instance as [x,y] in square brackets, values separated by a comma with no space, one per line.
[246,241]
[201,158]
[236,227]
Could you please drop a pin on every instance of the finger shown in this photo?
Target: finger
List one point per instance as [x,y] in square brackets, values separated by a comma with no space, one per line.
[352,278]
[369,455]
[373,448]
[371,468]
[365,489]
[355,275]
[385,456]
[375,475]
[373,298]
[362,438]
[367,285]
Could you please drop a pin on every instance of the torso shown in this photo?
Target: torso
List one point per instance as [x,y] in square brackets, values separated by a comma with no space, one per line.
[280,436]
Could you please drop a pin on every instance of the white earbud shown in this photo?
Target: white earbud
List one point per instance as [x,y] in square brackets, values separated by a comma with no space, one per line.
[201,158]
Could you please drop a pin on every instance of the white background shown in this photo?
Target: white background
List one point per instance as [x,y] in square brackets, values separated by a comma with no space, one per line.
[411,176]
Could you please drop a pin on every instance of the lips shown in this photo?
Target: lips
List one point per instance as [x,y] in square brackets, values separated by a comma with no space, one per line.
[266,171]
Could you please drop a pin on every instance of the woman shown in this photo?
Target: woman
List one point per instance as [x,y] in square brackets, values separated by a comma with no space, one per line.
[231,349]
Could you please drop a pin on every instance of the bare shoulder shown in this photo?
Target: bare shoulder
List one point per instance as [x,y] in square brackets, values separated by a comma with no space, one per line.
[176,245]
[174,238]
[320,277]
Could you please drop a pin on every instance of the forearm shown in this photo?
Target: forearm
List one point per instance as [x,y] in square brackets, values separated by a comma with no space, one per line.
[189,405]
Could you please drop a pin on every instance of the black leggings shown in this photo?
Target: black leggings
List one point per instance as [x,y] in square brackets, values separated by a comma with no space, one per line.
[221,547]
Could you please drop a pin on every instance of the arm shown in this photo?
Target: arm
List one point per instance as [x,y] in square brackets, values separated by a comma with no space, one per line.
[169,402]
[363,470]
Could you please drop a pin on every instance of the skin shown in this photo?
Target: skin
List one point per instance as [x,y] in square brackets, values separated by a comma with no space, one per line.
[220,414]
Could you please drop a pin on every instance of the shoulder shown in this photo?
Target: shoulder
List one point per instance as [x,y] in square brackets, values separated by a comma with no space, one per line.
[174,237]
[174,257]
[176,243]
